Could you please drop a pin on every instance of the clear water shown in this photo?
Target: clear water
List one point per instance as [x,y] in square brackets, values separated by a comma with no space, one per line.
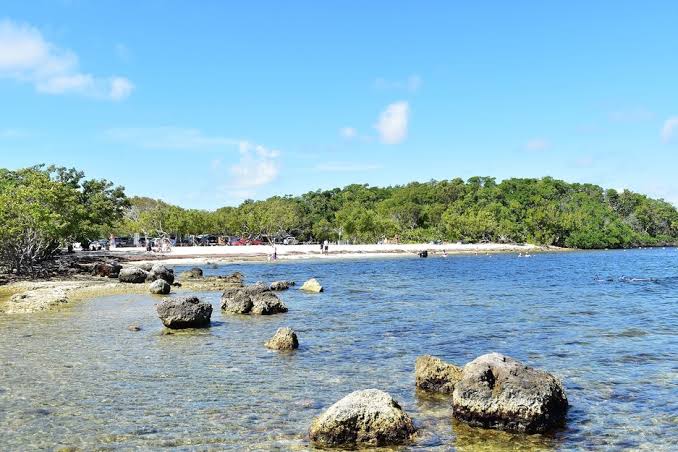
[605,322]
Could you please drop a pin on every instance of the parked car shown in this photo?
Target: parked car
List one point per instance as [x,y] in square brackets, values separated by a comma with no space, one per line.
[207,240]
[289,240]
[121,242]
[98,245]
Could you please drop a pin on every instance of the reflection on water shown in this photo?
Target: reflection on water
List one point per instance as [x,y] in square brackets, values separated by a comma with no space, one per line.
[79,378]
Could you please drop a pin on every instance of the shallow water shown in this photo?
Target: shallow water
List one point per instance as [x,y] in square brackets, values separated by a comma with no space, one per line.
[605,322]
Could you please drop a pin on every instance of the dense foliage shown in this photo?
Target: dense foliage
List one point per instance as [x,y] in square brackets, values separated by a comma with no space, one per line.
[541,211]
[42,209]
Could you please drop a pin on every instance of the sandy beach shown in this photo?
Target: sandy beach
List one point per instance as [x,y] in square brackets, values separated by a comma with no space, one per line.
[202,254]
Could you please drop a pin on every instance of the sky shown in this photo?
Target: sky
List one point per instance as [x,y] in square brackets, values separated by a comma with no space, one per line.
[205,104]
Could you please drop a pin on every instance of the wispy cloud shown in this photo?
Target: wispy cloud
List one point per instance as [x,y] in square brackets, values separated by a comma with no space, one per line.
[537,144]
[258,166]
[348,167]
[348,133]
[669,129]
[393,122]
[631,115]
[27,57]
[12,133]
[410,84]
[169,137]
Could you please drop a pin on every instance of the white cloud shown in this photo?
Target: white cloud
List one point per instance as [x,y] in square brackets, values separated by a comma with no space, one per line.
[348,133]
[411,84]
[345,167]
[537,144]
[392,123]
[169,138]
[258,166]
[669,129]
[631,115]
[26,56]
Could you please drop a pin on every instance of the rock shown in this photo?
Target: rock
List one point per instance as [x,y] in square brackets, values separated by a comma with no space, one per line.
[496,391]
[106,269]
[370,417]
[134,328]
[434,374]
[184,312]
[133,275]
[255,299]
[159,271]
[267,303]
[284,339]
[281,285]
[159,287]
[312,285]
[195,272]
[146,266]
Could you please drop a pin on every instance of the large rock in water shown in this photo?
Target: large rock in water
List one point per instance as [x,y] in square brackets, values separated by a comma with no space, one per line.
[312,285]
[159,287]
[184,312]
[434,374]
[132,275]
[159,271]
[107,269]
[281,285]
[370,417]
[285,339]
[254,299]
[496,391]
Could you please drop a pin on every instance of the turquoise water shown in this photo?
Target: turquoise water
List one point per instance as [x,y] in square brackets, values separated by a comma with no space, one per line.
[605,322]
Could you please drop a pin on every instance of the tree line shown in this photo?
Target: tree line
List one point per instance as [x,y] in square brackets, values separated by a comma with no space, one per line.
[45,208]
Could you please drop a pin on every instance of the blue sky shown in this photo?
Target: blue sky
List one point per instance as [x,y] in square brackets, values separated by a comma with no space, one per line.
[207,103]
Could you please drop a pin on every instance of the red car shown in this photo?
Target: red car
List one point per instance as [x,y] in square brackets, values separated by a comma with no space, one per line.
[243,241]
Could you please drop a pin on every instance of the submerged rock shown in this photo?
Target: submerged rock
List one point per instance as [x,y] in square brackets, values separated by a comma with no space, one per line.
[434,374]
[370,417]
[496,391]
[195,272]
[133,275]
[284,339]
[255,299]
[312,285]
[107,269]
[159,271]
[281,285]
[184,312]
[159,287]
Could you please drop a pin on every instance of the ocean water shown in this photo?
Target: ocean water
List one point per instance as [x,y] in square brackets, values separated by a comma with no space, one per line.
[605,322]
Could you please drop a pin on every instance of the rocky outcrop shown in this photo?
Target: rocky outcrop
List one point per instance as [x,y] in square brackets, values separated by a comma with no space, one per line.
[363,418]
[496,391]
[434,374]
[133,275]
[312,285]
[146,266]
[159,271]
[285,339]
[193,273]
[159,287]
[106,269]
[184,312]
[281,285]
[255,299]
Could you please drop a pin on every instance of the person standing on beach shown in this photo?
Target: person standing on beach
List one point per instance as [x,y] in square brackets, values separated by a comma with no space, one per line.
[321,247]
[327,245]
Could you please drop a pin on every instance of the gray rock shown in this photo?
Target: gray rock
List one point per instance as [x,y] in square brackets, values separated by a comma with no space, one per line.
[434,374]
[133,275]
[134,328]
[159,271]
[193,273]
[146,266]
[284,339]
[239,302]
[267,303]
[159,287]
[107,269]
[496,391]
[370,417]
[184,312]
[281,285]
[312,285]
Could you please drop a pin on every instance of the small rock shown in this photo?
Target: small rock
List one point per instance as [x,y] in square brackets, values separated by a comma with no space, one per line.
[496,391]
[284,339]
[267,303]
[159,271]
[312,285]
[195,272]
[434,374]
[281,285]
[255,299]
[159,287]
[134,328]
[133,275]
[146,266]
[106,269]
[184,312]
[238,303]
[370,417]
